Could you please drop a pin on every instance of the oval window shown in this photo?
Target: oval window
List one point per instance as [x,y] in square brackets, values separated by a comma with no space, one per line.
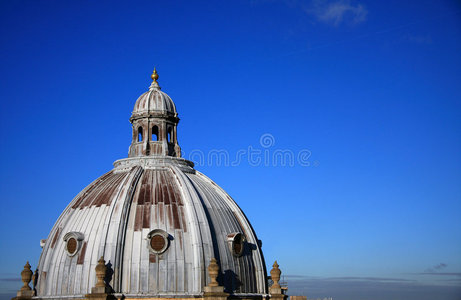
[73,242]
[236,243]
[71,246]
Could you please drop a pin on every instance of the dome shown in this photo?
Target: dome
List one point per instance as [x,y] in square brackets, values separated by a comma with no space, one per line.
[158,223]
[154,101]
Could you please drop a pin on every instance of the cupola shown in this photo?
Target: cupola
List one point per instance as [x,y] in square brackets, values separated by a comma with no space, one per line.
[154,121]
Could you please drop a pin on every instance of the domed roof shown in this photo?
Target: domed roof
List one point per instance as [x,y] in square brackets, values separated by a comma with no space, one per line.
[157,222]
[154,101]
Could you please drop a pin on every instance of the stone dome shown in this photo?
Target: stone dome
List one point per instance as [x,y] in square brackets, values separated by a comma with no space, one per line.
[154,101]
[157,222]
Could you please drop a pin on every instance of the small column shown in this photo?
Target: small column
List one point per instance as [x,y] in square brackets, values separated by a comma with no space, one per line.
[100,291]
[276,290]
[25,292]
[214,291]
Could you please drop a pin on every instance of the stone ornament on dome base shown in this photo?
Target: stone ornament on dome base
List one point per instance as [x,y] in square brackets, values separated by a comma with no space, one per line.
[213,291]
[25,292]
[100,291]
[276,290]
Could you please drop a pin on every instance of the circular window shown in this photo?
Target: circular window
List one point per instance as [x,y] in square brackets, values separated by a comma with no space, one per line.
[158,241]
[71,245]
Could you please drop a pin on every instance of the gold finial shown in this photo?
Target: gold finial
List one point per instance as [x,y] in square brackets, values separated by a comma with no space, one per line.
[154,75]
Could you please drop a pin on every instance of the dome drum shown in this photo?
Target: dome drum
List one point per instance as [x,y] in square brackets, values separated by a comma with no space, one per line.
[154,136]
[162,115]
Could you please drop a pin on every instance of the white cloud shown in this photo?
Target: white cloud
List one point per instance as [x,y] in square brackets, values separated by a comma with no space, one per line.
[338,12]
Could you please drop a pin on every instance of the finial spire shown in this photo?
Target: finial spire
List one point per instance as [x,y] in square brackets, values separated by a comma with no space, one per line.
[154,75]
[154,84]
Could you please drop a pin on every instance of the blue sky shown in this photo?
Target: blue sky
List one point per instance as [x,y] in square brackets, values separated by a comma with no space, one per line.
[370,90]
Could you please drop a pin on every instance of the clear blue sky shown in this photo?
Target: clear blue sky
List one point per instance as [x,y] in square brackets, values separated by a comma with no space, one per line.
[371,89]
